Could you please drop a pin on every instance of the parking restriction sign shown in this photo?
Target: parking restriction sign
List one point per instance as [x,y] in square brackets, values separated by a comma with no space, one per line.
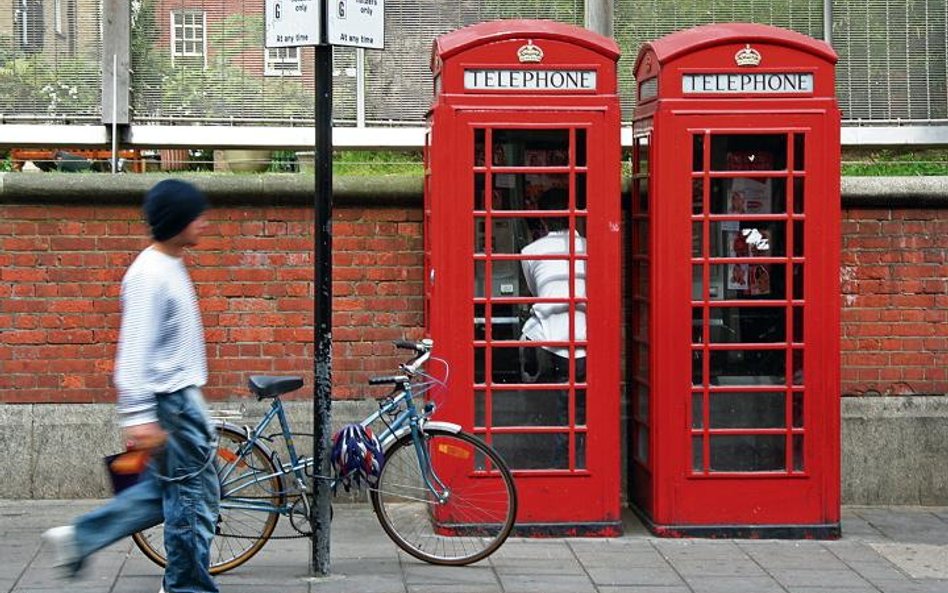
[292,23]
[357,23]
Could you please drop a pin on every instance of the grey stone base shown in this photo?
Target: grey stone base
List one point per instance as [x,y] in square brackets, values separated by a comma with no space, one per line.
[894,448]
[50,451]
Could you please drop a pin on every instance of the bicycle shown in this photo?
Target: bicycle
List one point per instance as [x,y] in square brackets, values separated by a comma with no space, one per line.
[443,495]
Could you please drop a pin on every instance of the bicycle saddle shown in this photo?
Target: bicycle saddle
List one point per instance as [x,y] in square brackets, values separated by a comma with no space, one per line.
[264,386]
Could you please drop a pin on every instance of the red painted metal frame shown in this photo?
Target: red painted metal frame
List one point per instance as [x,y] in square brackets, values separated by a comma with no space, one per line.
[577,500]
[674,497]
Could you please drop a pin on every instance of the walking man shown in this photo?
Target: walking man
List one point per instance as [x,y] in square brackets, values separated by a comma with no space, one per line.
[159,370]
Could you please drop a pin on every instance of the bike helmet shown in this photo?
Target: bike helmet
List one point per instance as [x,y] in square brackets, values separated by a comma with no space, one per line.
[356,456]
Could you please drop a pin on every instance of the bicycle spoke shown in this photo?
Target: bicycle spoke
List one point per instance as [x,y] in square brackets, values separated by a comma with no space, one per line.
[456,516]
[240,532]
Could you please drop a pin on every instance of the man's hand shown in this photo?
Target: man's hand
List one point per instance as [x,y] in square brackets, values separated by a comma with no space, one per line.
[145,436]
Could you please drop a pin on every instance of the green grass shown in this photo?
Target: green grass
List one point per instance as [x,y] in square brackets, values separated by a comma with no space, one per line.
[893,162]
[351,162]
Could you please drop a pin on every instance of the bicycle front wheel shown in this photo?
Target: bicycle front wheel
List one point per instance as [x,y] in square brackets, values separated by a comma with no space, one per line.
[251,495]
[451,500]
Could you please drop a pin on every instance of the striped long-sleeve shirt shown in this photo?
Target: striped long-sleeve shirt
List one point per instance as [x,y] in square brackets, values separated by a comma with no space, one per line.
[161,342]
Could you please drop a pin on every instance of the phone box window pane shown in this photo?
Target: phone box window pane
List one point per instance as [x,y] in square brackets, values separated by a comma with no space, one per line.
[697,152]
[479,191]
[697,454]
[642,144]
[798,458]
[530,148]
[748,152]
[580,439]
[528,191]
[798,238]
[798,403]
[798,281]
[479,147]
[733,325]
[533,451]
[733,238]
[580,407]
[797,366]
[798,325]
[697,325]
[748,453]
[581,147]
[799,154]
[798,195]
[580,191]
[697,196]
[697,367]
[479,365]
[748,367]
[506,280]
[748,195]
[739,281]
[480,413]
[547,407]
[697,410]
[748,409]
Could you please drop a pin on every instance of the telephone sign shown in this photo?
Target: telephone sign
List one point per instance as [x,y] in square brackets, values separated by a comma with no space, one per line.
[292,23]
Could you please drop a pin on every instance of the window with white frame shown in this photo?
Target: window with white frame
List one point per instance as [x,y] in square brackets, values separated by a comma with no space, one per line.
[59,18]
[282,61]
[187,34]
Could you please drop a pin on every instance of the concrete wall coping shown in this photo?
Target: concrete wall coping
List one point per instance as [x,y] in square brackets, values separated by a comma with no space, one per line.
[902,406]
[274,189]
[384,190]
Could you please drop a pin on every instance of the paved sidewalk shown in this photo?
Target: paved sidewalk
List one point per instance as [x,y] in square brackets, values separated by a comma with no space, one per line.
[883,550]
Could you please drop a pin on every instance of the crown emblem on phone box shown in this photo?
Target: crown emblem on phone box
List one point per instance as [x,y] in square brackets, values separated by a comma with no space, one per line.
[530,53]
[747,56]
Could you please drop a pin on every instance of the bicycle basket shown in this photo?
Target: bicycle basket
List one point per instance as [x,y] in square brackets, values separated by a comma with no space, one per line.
[356,457]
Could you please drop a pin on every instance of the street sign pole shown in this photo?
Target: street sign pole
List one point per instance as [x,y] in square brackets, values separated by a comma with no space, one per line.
[297,23]
[322,427]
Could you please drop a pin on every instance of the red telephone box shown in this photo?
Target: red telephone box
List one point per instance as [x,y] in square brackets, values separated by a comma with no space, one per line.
[734,272]
[522,230]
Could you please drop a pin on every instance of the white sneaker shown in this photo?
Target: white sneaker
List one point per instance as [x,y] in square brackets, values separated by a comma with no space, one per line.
[63,542]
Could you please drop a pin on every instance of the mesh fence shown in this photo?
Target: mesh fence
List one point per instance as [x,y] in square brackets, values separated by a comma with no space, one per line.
[641,21]
[205,61]
[893,59]
[50,54]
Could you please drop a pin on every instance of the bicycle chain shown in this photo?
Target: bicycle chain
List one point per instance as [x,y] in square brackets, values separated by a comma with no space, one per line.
[299,535]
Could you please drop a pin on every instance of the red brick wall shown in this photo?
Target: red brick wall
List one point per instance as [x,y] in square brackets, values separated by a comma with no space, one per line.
[894,273]
[60,269]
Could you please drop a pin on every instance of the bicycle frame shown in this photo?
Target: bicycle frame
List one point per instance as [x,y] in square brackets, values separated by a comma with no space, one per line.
[297,465]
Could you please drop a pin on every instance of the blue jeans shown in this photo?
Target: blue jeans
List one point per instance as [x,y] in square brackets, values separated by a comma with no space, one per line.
[187,507]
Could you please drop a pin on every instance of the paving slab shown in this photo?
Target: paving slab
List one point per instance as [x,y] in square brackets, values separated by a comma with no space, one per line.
[886,550]
[920,561]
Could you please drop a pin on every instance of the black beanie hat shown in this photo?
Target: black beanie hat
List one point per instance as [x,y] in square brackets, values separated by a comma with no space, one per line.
[171,205]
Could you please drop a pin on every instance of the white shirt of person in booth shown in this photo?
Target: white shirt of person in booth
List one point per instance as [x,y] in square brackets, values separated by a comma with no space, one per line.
[549,278]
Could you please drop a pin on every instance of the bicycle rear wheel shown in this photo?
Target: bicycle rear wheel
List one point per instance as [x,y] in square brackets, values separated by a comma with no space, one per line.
[456,508]
[241,531]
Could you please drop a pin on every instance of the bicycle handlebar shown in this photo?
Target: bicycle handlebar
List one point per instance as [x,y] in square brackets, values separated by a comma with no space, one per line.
[396,379]
[422,347]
